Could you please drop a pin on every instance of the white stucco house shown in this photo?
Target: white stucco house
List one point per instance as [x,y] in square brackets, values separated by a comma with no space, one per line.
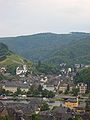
[21,71]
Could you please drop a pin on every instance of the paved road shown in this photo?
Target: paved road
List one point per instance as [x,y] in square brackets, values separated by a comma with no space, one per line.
[10,98]
[68,96]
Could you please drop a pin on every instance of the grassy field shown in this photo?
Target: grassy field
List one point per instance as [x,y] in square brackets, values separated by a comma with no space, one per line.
[12,59]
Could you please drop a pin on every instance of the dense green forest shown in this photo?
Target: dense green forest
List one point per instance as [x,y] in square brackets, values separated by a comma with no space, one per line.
[10,60]
[3,51]
[83,76]
[53,48]
[76,52]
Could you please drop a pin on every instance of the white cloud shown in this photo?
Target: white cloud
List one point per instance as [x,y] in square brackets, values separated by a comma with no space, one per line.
[31,16]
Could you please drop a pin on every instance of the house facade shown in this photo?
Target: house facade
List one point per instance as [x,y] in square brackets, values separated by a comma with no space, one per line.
[71,103]
[82,88]
[21,71]
[13,85]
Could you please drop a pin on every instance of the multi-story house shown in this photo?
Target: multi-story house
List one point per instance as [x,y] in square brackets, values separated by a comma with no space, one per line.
[82,88]
[21,71]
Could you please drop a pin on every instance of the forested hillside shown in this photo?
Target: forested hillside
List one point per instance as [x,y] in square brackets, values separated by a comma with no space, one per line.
[76,52]
[83,76]
[54,48]
[8,58]
[3,51]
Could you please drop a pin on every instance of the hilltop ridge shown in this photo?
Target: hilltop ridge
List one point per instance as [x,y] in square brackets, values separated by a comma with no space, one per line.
[52,47]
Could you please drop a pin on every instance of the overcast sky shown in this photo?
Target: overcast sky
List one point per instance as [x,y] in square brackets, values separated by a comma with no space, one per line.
[22,17]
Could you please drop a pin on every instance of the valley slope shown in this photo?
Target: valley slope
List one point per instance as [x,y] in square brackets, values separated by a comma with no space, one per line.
[8,58]
[54,48]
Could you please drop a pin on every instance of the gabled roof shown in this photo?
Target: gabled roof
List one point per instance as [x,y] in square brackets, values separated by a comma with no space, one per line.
[71,100]
[13,83]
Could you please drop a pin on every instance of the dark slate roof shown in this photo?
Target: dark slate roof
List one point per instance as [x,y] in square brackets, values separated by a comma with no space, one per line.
[53,81]
[46,115]
[16,84]
[60,113]
[71,100]
[63,113]
[27,109]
